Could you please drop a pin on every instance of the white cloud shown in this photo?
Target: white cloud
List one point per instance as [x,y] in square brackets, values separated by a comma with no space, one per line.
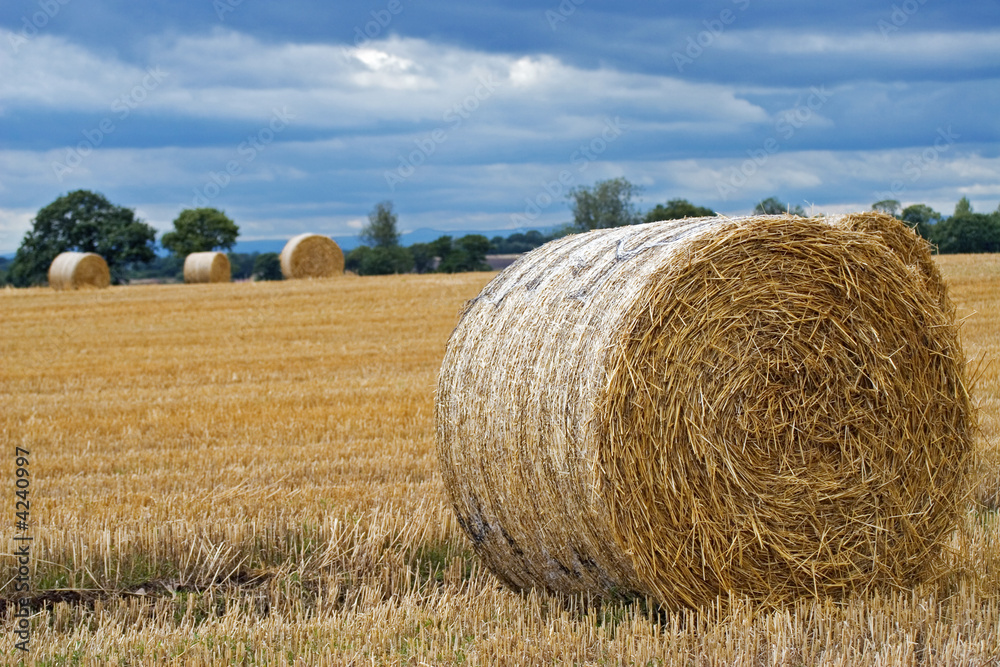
[509,124]
[228,75]
[913,47]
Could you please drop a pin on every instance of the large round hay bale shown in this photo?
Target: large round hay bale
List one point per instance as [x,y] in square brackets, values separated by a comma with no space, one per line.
[72,270]
[767,406]
[311,256]
[207,267]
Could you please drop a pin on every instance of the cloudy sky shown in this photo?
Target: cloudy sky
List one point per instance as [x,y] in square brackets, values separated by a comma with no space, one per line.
[300,116]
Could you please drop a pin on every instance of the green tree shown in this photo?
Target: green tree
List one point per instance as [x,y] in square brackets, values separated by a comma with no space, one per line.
[606,204]
[963,207]
[84,221]
[887,206]
[677,209]
[241,264]
[267,266]
[466,254]
[922,218]
[379,261]
[967,233]
[200,230]
[441,246]
[423,257]
[381,231]
[518,242]
[353,258]
[773,206]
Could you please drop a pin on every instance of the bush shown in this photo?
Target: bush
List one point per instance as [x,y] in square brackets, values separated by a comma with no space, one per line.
[380,261]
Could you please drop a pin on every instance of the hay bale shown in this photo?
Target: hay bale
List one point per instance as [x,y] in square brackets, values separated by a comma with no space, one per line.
[207,267]
[766,406]
[72,270]
[311,256]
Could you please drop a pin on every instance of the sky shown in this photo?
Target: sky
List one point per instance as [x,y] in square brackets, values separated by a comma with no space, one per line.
[300,116]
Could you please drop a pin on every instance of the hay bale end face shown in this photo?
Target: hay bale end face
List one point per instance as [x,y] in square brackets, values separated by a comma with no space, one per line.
[73,270]
[767,406]
[207,267]
[311,256]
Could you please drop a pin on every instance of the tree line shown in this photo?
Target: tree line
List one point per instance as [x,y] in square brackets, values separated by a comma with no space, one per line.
[86,221]
[965,231]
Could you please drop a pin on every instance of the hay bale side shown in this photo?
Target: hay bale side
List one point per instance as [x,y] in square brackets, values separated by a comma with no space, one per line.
[207,267]
[767,406]
[73,270]
[311,256]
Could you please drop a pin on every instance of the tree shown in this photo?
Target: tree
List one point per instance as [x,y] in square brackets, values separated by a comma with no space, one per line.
[441,246]
[466,254]
[241,264]
[267,266]
[518,242]
[423,257]
[86,222]
[381,232]
[921,218]
[379,261]
[963,207]
[677,209]
[200,230]
[606,204]
[773,206]
[887,206]
[969,232]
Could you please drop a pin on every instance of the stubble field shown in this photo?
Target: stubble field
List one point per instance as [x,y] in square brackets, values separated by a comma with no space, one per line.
[246,474]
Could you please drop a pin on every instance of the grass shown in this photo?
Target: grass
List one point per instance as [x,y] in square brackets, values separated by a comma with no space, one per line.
[246,474]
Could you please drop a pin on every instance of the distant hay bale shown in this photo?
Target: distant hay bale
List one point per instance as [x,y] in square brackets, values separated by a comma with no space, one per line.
[72,270]
[311,256]
[207,267]
[766,406]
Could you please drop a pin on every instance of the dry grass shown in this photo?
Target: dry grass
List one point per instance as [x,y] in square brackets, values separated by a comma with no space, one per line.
[241,473]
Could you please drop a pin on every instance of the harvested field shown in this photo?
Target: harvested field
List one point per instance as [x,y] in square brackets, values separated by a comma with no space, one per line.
[242,473]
